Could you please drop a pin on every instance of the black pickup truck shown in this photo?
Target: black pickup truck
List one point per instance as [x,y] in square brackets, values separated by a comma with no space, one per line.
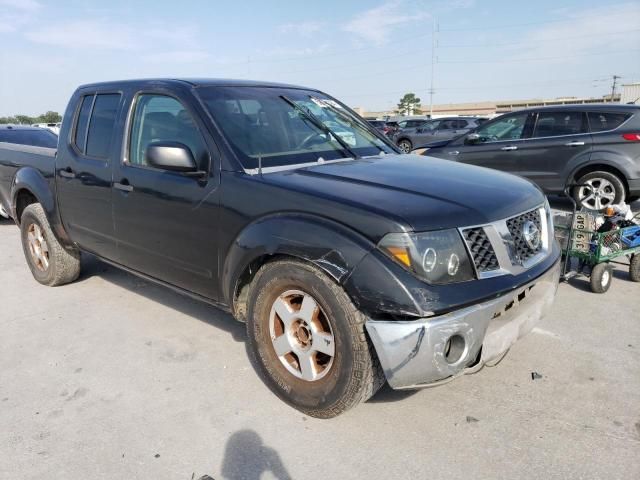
[350,263]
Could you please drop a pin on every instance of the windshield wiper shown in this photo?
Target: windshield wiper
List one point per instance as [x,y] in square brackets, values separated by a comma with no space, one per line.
[318,123]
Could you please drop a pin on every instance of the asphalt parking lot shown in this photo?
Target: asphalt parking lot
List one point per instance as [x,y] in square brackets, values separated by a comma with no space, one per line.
[113,377]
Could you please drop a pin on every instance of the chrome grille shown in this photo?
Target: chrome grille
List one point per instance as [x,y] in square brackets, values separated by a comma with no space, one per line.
[514,224]
[484,257]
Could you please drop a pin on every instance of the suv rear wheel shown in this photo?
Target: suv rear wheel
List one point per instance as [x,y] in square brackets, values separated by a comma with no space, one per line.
[307,340]
[605,189]
[405,145]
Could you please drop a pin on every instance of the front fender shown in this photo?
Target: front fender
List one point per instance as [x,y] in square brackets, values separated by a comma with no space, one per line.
[330,246]
[33,181]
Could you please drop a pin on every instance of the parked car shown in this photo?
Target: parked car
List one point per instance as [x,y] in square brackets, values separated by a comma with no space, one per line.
[54,127]
[594,145]
[379,125]
[434,130]
[35,142]
[350,263]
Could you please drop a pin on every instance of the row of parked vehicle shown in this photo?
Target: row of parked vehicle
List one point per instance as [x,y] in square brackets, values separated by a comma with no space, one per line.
[596,146]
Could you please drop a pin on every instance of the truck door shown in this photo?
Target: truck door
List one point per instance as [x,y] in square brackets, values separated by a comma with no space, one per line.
[165,221]
[83,173]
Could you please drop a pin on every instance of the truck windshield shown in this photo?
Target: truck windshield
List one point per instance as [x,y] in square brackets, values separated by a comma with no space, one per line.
[279,126]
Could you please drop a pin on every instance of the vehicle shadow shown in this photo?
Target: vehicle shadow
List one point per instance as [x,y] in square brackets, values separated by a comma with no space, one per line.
[246,457]
[92,266]
[388,395]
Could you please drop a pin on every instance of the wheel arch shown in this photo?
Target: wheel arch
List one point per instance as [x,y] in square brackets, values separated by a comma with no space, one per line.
[332,247]
[579,172]
[30,186]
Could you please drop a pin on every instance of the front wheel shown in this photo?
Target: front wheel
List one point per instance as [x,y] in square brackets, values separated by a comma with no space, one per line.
[49,262]
[308,342]
[601,276]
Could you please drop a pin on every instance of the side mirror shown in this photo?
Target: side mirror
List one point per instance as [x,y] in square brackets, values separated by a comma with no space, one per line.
[171,156]
[472,139]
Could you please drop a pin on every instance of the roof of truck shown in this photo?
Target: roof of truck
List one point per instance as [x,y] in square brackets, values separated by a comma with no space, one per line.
[11,126]
[198,82]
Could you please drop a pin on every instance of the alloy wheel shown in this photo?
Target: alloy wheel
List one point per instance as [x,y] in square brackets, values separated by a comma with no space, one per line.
[38,247]
[600,194]
[301,335]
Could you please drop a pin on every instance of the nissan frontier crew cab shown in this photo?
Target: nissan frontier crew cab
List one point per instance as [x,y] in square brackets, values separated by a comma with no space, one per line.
[350,263]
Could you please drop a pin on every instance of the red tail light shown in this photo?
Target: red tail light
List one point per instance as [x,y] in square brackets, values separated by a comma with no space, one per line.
[631,137]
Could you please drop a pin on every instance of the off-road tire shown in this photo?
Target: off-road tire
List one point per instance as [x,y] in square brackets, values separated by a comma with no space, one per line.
[634,268]
[64,265]
[601,276]
[405,145]
[355,374]
[617,183]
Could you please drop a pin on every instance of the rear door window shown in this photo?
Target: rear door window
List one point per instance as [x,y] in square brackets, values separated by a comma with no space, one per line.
[101,125]
[555,124]
[80,135]
[603,121]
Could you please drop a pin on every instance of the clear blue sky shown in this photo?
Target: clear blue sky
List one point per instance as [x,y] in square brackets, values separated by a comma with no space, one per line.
[365,53]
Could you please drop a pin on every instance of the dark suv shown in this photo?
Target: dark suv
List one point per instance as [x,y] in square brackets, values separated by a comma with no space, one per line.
[598,145]
[432,130]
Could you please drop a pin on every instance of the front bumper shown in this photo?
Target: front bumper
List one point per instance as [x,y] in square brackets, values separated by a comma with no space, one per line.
[423,352]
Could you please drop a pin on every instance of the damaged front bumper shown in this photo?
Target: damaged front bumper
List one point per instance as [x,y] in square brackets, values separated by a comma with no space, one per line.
[424,352]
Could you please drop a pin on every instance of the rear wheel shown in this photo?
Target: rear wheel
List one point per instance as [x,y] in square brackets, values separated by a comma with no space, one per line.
[49,262]
[307,340]
[604,189]
[634,268]
[601,276]
[405,145]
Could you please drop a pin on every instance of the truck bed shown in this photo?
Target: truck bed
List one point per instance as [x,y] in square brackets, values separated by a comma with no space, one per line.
[15,156]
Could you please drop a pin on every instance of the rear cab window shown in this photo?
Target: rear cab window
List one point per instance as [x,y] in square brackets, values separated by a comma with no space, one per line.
[95,123]
[604,121]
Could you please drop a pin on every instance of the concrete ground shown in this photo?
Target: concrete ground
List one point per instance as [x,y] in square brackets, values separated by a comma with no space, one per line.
[115,378]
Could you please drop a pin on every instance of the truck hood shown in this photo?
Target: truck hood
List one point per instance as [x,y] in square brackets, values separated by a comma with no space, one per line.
[424,193]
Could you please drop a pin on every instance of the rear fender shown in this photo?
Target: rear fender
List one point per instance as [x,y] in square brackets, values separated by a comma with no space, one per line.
[32,181]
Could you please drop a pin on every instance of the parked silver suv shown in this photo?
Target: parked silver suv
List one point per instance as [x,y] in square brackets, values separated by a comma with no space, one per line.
[434,130]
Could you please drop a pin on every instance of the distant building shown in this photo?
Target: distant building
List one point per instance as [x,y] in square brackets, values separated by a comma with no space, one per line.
[630,93]
[490,109]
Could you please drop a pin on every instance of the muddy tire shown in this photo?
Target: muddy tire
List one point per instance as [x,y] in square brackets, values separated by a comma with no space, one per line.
[49,262]
[634,268]
[307,340]
[601,276]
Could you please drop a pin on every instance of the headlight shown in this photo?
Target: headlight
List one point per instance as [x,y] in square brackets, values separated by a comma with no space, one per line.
[436,257]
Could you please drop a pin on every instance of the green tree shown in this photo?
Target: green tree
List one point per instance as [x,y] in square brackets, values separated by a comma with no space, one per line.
[49,117]
[24,119]
[409,104]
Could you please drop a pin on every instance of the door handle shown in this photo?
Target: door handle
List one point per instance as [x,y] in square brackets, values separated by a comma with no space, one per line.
[509,148]
[574,144]
[67,173]
[123,186]
[453,152]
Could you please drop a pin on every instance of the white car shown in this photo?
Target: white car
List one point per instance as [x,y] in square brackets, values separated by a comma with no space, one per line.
[54,127]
